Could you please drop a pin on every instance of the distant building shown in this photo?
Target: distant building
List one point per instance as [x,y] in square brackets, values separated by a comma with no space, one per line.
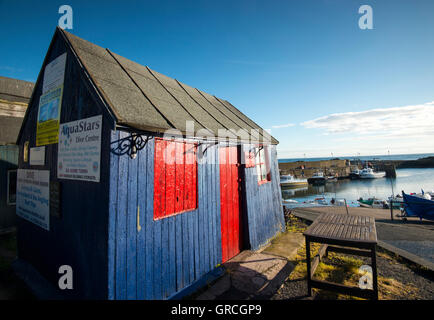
[14,97]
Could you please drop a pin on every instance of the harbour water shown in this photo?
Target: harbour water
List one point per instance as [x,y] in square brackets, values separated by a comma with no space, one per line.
[408,180]
[364,158]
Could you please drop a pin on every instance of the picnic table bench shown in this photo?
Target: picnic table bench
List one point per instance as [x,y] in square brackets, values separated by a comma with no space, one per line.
[352,235]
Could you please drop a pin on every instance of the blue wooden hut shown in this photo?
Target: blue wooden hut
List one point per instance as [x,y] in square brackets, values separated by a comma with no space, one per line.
[168,181]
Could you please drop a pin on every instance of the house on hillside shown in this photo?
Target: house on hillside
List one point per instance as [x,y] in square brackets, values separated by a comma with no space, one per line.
[14,97]
[145,185]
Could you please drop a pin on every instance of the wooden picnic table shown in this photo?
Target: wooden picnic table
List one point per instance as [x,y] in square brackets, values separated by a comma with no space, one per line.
[353,235]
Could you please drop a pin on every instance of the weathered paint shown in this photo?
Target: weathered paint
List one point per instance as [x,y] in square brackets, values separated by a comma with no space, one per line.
[263,203]
[167,254]
[230,202]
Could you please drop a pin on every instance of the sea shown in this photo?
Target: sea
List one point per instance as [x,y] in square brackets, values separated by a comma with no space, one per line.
[366,158]
[407,180]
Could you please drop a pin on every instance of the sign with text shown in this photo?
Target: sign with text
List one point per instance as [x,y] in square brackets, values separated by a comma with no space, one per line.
[33,196]
[79,151]
[54,74]
[47,127]
[37,156]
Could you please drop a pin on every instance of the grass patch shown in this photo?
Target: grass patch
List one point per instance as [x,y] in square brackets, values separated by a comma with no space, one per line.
[294,224]
[300,270]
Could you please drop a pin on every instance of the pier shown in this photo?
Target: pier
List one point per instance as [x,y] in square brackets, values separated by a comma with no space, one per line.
[339,168]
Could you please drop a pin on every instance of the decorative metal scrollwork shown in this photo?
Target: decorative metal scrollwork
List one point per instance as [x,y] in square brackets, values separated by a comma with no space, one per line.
[129,145]
[207,145]
[253,150]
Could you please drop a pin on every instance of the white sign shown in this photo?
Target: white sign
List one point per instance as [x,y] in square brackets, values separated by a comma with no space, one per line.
[79,151]
[33,196]
[54,73]
[37,156]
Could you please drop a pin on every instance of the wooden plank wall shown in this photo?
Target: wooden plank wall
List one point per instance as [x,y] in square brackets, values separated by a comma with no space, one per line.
[154,259]
[264,203]
[8,161]
[79,237]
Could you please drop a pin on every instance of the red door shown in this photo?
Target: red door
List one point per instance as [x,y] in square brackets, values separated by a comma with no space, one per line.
[230,202]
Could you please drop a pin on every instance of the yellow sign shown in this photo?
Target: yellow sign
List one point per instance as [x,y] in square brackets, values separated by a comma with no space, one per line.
[47,128]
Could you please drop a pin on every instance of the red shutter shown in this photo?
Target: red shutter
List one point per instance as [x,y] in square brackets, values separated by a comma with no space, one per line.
[175,177]
[180,182]
[170,177]
[159,180]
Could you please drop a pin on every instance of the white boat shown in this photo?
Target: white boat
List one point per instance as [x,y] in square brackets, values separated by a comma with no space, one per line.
[396,201]
[289,181]
[355,174]
[368,173]
[321,200]
[380,204]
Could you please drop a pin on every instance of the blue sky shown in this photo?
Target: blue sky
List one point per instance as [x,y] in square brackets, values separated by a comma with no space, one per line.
[303,69]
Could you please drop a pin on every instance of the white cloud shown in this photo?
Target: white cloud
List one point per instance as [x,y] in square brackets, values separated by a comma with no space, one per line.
[415,121]
[283,126]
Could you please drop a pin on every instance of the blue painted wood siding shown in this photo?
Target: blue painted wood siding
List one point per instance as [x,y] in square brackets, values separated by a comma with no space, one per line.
[154,259]
[264,203]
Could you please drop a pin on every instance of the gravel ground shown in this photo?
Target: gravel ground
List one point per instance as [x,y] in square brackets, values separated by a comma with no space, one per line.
[398,278]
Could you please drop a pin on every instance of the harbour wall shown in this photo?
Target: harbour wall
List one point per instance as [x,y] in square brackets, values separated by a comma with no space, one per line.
[340,168]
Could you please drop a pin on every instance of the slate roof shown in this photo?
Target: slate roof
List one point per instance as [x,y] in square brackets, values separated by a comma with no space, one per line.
[14,97]
[144,99]
[15,90]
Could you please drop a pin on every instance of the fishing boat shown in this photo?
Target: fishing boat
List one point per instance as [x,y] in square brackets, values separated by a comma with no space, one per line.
[415,206]
[317,201]
[365,203]
[380,204]
[321,200]
[373,203]
[355,174]
[369,173]
[317,178]
[397,201]
[331,179]
[289,181]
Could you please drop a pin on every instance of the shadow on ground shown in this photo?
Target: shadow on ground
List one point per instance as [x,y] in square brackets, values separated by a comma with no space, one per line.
[11,287]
